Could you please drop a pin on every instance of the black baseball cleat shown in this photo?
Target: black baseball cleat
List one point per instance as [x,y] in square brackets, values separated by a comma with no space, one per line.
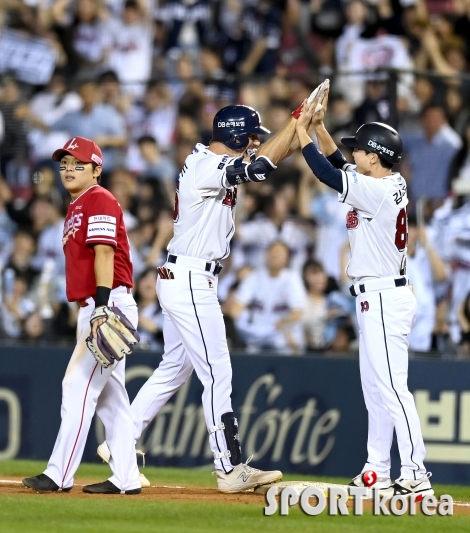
[43,483]
[106,487]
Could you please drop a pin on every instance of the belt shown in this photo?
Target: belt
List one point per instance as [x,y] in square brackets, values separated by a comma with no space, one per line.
[83,301]
[378,284]
[210,266]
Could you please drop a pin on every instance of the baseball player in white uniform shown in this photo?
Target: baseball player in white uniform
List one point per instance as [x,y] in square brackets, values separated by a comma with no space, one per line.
[193,330]
[385,305]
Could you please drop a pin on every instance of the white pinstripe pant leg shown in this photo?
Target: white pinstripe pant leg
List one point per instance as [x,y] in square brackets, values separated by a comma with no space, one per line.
[385,327]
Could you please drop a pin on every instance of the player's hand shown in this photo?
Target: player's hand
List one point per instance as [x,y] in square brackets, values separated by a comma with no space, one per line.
[303,122]
[95,325]
[320,109]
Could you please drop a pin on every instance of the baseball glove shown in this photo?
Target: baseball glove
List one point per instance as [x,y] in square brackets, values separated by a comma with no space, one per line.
[114,339]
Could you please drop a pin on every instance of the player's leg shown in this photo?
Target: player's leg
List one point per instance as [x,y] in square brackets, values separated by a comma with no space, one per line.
[380,423]
[385,331]
[194,310]
[114,410]
[172,373]
[82,384]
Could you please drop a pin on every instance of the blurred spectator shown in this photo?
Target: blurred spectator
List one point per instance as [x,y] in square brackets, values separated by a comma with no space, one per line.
[97,121]
[48,222]
[150,314]
[320,202]
[123,187]
[7,226]
[45,108]
[430,153]
[250,35]
[140,240]
[16,305]
[356,14]
[112,92]
[324,308]
[273,224]
[84,33]
[131,39]
[14,148]
[149,162]
[376,105]
[33,327]
[269,303]
[425,270]
[21,257]
[155,116]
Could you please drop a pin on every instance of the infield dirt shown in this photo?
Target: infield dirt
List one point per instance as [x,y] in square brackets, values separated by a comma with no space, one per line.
[12,486]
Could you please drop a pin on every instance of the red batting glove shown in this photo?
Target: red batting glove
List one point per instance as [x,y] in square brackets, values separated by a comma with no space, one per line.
[296,114]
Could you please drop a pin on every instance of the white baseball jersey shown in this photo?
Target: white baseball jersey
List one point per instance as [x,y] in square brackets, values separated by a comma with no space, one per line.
[269,300]
[204,207]
[376,223]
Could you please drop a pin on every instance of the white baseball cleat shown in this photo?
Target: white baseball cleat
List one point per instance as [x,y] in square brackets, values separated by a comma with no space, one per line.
[410,487]
[144,482]
[381,483]
[104,453]
[244,477]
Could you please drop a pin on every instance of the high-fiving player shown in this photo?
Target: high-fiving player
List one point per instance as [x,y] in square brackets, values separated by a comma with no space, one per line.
[193,329]
[385,305]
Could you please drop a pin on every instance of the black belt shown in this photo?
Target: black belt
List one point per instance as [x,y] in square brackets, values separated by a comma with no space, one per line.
[400,282]
[218,267]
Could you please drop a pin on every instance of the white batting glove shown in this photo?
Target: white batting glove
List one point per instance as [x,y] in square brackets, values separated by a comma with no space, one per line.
[320,90]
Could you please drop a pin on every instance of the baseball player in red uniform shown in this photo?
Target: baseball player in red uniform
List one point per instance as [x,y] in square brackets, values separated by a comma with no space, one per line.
[385,305]
[98,273]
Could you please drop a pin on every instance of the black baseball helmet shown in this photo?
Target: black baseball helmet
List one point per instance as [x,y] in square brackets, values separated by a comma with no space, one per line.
[233,124]
[378,138]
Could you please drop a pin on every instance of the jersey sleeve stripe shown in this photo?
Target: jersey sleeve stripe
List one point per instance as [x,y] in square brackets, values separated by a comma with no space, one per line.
[345,186]
[100,239]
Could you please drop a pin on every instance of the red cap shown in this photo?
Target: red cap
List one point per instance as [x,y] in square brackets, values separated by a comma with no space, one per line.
[84,150]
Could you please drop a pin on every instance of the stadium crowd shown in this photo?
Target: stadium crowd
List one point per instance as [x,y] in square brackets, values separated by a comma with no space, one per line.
[144,78]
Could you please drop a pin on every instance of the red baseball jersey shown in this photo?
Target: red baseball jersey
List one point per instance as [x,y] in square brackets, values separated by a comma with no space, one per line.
[95,217]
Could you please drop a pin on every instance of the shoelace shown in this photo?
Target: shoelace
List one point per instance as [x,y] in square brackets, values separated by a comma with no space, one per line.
[244,466]
[142,454]
[250,468]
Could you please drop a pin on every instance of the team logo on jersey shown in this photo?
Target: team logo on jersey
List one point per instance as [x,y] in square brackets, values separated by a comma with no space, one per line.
[364,306]
[209,282]
[230,198]
[71,227]
[352,220]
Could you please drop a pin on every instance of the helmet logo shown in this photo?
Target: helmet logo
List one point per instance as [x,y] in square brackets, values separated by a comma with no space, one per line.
[231,124]
[380,148]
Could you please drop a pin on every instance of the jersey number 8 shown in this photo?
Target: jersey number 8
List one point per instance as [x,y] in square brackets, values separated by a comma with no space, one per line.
[401,234]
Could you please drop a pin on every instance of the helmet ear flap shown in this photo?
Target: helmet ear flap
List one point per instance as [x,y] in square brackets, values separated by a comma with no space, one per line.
[237,141]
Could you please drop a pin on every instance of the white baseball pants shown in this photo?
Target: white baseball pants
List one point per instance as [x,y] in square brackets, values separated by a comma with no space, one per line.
[385,319]
[87,387]
[194,335]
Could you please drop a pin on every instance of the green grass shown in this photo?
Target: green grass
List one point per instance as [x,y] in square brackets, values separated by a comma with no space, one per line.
[36,513]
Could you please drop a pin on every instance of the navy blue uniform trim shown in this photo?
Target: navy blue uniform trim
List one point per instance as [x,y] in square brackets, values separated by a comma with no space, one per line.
[322,168]
[391,381]
[207,359]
